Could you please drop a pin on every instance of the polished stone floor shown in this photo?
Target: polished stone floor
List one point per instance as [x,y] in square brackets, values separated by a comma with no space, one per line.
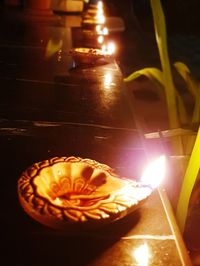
[139,50]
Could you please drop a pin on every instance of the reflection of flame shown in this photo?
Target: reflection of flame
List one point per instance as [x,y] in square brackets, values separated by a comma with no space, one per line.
[98,28]
[100,39]
[142,255]
[107,80]
[154,172]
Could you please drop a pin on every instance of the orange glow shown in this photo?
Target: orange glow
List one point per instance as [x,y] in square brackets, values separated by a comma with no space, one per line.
[101,31]
[100,39]
[98,28]
[142,255]
[105,31]
[155,172]
[109,49]
[100,4]
[108,80]
[100,18]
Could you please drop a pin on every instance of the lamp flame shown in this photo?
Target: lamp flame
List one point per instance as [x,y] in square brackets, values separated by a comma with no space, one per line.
[105,31]
[155,172]
[100,5]
[109,49]
[100,18]
[101,31]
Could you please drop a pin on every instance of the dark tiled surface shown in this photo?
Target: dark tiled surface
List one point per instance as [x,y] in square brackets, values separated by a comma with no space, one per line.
[35,78]
[114,244]
[117,147]
[67,94]
[47,109]
[86,251]
[125,253]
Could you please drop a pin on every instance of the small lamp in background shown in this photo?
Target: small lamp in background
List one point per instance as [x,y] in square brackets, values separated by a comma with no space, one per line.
[100,5]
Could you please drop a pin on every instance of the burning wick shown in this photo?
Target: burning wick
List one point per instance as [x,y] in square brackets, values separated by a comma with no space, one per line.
[155,172]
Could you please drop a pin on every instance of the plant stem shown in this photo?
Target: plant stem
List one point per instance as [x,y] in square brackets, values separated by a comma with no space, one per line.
[161,39]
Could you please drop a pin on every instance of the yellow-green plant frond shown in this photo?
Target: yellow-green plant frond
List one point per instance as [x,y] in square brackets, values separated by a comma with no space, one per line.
[196,111]
[150,72]
[182,68]
[185,73]
[193,87]
[161,39]
[160,30]
[182,113]
[188,183]
[53,47]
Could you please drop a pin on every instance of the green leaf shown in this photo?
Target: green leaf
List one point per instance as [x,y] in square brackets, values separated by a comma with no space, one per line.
[183,116]
[53,47]
[161,39]
[193,87]
[188,183]
[196,111]
[185,73]
[153,74]
[150,72]
[182,69]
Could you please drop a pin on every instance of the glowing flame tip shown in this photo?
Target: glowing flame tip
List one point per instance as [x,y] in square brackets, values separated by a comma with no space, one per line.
[155,172]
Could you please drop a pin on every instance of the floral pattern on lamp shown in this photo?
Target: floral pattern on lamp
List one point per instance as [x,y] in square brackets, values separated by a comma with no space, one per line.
[74,193]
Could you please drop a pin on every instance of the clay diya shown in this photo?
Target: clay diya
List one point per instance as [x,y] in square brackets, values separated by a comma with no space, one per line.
[89,56]
[73,193]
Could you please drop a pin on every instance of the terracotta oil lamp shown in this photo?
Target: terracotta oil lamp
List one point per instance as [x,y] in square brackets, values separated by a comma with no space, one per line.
[74,193]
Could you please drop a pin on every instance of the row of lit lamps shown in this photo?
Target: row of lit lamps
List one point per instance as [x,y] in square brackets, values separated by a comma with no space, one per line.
[98,18]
